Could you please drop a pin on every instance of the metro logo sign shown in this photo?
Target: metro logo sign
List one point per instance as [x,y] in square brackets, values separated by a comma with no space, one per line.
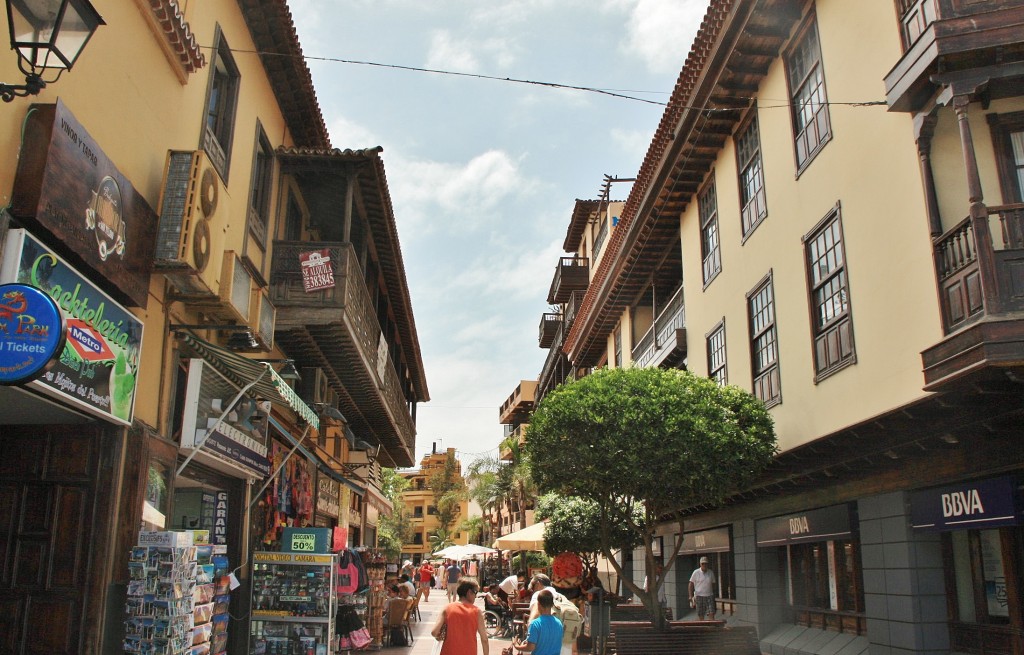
[88,343]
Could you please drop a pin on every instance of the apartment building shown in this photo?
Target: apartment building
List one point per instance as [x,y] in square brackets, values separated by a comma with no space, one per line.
[421,502]
[232,303]
[830,216]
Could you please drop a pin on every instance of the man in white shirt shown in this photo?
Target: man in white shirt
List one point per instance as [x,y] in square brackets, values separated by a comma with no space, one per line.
[702,590]
[509,587]
[538,583]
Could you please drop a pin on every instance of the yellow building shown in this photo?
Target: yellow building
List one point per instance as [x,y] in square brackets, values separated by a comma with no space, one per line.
[421,506]
[830,216]
[177,196]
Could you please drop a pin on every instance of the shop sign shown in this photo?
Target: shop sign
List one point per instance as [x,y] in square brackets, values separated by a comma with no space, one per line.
[823,524]
[328,496]
[98,366]
[220,518]
[306,540]
[240,438]
[979,504]
[287,558]
[316,268]
[706,541]
[32,332]
[66,184]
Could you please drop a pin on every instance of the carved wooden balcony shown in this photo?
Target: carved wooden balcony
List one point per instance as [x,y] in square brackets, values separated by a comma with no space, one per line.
[665,343]
[956,40]
[979,264]
[549,324]
[571,274]
[338,327]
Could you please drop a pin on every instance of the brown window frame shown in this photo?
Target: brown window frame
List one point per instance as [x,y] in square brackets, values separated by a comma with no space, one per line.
[709,254]
[718,373]
[832,335]
[747,142]
[767,377]
[221,104]
[797,82]
[1001,126]
[261,187]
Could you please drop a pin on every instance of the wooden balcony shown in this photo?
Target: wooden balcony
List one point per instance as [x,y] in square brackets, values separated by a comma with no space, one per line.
[571,274]
[665,343]
[549,324]
[519,435]
[519,405]
[572,307]
[956,39]
[337,330]
[980,269]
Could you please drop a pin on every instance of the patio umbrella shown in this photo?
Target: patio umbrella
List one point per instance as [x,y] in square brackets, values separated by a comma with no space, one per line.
[529,538]
[464,552]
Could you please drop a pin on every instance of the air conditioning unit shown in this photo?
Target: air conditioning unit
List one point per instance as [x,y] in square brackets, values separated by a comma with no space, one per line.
[190,232]
[314,387]
[262,318]
[234,293]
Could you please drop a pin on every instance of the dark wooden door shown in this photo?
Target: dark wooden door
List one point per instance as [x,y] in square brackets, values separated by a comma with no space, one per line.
[50,543]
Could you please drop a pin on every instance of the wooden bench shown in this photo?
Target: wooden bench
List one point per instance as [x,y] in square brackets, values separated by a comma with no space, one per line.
[684,638]
[634,612]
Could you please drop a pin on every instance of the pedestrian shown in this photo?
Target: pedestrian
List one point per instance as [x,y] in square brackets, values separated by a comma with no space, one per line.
[662,598]
[702,590]
[426,577]
[405,582]
[538,583]
[452,574]
[407,568]
[460,623]
[508,588]
[544,636]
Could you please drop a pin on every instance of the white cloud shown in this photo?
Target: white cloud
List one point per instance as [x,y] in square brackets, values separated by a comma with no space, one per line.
[448,53]
[661,32]
[349,134]
[633,144]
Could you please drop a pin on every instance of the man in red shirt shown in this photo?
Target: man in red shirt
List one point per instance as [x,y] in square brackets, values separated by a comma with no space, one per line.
[426,579]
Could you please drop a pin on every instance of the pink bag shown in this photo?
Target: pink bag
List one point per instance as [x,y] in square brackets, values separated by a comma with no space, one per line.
[359,638]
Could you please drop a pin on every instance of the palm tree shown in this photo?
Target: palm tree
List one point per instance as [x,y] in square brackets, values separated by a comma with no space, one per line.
[473,526]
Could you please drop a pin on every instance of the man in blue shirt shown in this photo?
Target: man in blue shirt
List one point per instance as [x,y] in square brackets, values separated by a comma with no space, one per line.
[544,636]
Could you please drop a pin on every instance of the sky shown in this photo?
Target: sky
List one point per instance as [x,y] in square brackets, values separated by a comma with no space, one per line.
[483,173]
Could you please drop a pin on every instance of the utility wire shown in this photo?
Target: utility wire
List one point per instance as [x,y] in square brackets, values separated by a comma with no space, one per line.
[554,85]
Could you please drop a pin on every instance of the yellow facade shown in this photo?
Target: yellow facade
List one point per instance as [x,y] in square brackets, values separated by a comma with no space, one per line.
[421,511]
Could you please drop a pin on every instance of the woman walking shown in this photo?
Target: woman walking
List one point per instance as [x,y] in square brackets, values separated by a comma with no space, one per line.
[460,623]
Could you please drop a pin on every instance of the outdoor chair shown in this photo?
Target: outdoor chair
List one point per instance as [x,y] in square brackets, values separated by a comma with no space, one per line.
[396,619]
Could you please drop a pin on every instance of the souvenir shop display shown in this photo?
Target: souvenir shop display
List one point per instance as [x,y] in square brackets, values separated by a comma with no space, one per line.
[293,607]
[178,595]
[376,567]
[352,586]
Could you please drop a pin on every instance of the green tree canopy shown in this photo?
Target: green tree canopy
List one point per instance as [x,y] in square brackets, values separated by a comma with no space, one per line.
[663,438]
[449,491]
[393,529]
[574,525]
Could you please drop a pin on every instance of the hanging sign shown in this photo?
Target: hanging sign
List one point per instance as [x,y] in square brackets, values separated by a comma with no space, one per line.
[98,365]
[32,332]
[823,524]
[715,540]
[978,504]
[316,268]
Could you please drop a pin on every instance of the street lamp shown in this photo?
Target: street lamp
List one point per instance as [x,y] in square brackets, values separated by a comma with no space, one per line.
[47,34]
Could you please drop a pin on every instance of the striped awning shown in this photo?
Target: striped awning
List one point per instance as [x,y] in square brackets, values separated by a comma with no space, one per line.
[242,371]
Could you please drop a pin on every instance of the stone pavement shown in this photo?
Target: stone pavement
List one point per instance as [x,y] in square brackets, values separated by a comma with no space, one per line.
[423,643]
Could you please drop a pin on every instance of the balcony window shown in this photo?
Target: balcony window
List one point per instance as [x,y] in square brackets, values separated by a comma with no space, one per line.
[764,347]
[716,354]
[1008,142]
[221,101]
[711,255]
[830,297]
[915,17]
[753,208]
[262,183]
[806,77]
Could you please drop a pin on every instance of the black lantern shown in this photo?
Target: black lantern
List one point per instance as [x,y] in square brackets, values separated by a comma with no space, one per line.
[48,34]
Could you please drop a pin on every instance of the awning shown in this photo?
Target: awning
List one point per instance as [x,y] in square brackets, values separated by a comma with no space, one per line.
[241,371]
[529,538]
[320,464]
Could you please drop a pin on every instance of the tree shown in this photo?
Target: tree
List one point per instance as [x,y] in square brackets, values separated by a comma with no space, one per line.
[473,526]
[393,529]
[663,438]
[574,525]
[449,491]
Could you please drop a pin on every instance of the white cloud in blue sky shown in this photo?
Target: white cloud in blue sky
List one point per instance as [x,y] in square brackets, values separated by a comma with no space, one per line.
[484,174]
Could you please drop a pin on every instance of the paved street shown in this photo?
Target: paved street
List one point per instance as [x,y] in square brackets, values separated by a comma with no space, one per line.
[423,643]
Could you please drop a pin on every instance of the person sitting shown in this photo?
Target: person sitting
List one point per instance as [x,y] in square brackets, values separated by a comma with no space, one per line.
[492,601]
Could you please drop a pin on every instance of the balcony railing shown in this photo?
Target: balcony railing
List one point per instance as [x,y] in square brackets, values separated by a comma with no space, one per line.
[572,307]
[549,324]
[666,337]
[571,274]
[961,262]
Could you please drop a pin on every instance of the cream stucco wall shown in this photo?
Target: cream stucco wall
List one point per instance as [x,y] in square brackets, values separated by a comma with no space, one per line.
[127,96]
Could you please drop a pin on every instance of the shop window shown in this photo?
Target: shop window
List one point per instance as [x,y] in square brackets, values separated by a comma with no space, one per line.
[982,563]
[716,354]
[221,102]
[831,320]
[826,585]
[711,255]
[804,72]
[262,182]
[764,348]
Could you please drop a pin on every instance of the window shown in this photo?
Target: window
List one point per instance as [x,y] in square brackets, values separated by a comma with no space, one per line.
[1008,141]
[262,182]
[764,350]
[753,208]
[618,347]
[220,107]
[807,91]
[982,571]
[716,354]
[825,578]
[831,324]
[707,205]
